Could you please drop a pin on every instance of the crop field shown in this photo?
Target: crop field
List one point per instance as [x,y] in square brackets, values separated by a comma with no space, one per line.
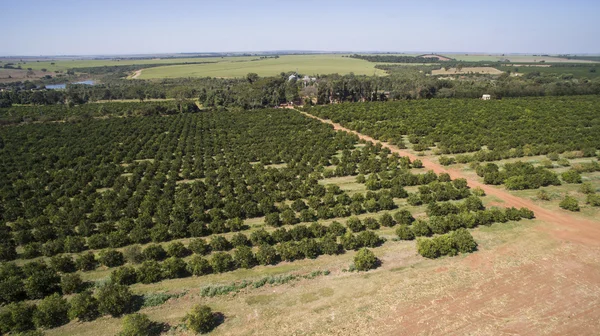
[305,64]
[64,65]
[516,58]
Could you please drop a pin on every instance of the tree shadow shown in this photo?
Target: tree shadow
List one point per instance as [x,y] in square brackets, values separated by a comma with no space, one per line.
[219,318]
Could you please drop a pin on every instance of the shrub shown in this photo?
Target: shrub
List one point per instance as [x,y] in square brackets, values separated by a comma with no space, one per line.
[446,161]
[404,217]
[133,254]
[368,239]
[571,176]
[317,230]
[330,246]
[86,262]
[371,223]
[221,262]
[154,252]
[386,220]
[289,251]
[266,255]
[427,248]
[477,191]
[350,242]
[176,249]
[260,237]
[17,317]
[138,325]
[593,199]
[62,263]
[281,235]
[149,272]
[355,224]
[220,243]
[564,162]
[174,268]
[336,229]
[83,307]
[244,258]
[404,232]
[310,248]
[463,241]
[569,203]
[420,228]
[41,282]
[71,283]
[201,319]
[199,246]
[124,275]
[273,219]
[51,312]
[114,299]
[198,266]
[111,258]
[586,188]
[240,239]
[417,164]
[365,260]
[543,195]
[526,213]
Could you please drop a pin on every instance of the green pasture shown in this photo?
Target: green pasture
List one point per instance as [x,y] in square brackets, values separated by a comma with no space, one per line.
[304,64]
[63,65]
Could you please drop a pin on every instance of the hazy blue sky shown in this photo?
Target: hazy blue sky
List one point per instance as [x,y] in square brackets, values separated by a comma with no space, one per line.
[87,27]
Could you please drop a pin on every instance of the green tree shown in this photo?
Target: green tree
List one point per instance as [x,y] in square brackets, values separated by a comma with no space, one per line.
[51,312]
[243,257]
[149,271]
[221,262]
[569,203]
[174,267]
[84,307]
[199,266]
[111,258]
[266,255]
[139,325]
[124,275]
[114,299]
[365,260]
[404,232]
[71,283]
[201,319]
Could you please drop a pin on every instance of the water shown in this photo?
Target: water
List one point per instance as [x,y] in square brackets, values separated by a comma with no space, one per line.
[64,86]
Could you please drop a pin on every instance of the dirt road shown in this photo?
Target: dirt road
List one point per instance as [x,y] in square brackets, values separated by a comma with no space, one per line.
[137,74]
[567,226]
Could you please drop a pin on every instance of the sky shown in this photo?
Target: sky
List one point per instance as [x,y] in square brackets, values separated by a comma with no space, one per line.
[108,27]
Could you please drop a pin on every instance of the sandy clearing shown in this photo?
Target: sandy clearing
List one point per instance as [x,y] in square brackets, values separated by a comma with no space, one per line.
[567,226]
[136,74]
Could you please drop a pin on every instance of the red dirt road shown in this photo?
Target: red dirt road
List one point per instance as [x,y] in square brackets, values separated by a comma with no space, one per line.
[569,227]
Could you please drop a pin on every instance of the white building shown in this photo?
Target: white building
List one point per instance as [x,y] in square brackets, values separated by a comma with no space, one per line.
[486,97]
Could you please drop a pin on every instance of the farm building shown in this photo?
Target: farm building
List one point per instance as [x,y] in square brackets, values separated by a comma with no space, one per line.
[486,97]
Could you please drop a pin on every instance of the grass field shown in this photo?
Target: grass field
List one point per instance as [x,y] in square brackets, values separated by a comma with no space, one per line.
[305,64]
[514,58]
[63,65]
